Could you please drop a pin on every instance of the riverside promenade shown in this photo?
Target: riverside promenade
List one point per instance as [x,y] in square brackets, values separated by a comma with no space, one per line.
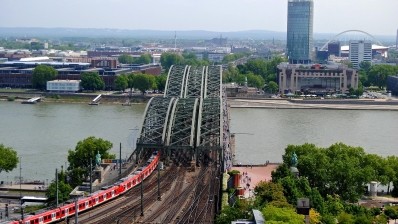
[251,175]
[332,104]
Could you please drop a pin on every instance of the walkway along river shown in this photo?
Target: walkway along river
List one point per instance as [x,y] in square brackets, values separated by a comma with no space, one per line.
[43,133]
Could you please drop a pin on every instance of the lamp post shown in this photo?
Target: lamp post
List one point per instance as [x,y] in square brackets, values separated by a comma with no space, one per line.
[134,141]
[20,186]
[142,195]
[56,186]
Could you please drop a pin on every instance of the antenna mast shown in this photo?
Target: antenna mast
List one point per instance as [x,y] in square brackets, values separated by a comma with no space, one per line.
[175,41]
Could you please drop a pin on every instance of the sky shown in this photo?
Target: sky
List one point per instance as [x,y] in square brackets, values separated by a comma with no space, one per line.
[378,17]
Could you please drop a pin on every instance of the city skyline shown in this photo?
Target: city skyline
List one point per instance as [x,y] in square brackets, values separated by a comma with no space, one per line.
[220,16]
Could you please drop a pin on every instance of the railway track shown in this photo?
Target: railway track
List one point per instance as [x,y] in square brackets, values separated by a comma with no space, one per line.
[193,203]
[110,210]
[168,212]
[202,205]
[127,214]
[192,199]
[169,203]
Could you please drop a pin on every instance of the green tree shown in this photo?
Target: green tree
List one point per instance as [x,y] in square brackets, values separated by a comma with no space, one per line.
[269,192]
[232,57]
[92,81]
[378,74]
[359,91]
[64,190]
[379,169]
[283,215]
[8,158]
[240,79]
[130,81]
[144,59]
[161,82]
[168,59]
[255,66]
[121,82]
[144,82]
[229,214]
[41,74]
[345,218]
[391,212]
[272,87]
[230,74]
[338,169]
[314,217]
[363,78]
[363,219]
[84,155]
[255,81]
[392,165]
[295,188]
[333,205]
[380,219]
[125,59]
[365,66]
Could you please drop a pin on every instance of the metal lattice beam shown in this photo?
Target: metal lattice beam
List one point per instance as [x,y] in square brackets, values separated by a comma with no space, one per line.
[194,82]
[176,81]
[226,147]
[153,131]
[210,122]
[182,123]
[213,82]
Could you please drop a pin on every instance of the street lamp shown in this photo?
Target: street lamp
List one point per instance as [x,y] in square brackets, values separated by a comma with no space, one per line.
[22,211]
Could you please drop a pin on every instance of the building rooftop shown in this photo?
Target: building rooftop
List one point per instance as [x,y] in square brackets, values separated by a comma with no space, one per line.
[374,47]
[35,59]
[64,80]
[45,63]
[333,66]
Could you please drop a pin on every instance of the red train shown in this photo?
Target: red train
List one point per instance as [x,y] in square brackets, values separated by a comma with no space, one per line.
[95,198]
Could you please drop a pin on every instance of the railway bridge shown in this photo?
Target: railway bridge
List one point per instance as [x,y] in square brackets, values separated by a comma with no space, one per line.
[191,119]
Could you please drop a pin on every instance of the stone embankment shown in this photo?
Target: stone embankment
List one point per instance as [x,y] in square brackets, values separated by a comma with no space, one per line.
[76,97]
[334,104]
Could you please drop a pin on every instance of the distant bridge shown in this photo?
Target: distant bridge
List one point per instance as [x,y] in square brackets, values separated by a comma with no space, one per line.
[191,119]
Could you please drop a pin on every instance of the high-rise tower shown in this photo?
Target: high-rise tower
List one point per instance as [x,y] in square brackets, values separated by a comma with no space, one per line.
[300,16]
[396,44]
[360,50]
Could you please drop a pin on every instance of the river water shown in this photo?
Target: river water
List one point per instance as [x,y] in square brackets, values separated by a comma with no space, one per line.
[43,133]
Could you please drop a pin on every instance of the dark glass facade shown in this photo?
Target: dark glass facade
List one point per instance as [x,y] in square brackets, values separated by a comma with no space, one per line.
[334,48]
[300,31]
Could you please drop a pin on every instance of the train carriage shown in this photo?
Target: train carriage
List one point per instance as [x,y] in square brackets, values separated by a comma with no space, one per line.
[94,199]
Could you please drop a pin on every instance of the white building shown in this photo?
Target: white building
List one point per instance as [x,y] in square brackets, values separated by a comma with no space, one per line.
[360,50]
[64,85]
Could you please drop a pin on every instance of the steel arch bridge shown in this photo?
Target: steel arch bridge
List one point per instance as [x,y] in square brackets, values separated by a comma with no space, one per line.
[192,117]
[348,31]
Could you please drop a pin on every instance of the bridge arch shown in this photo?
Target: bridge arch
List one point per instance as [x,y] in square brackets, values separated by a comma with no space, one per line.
[348,31]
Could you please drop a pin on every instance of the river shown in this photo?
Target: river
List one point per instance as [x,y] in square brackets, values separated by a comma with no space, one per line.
[43,133]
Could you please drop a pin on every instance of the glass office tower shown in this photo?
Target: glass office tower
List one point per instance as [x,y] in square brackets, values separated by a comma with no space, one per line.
[300,18]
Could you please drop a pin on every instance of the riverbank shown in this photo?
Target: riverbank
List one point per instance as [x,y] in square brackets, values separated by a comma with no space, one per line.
[86,98]
[268,103]
[332,104]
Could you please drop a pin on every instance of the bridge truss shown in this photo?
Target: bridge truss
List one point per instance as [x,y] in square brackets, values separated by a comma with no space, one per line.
[191,119]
